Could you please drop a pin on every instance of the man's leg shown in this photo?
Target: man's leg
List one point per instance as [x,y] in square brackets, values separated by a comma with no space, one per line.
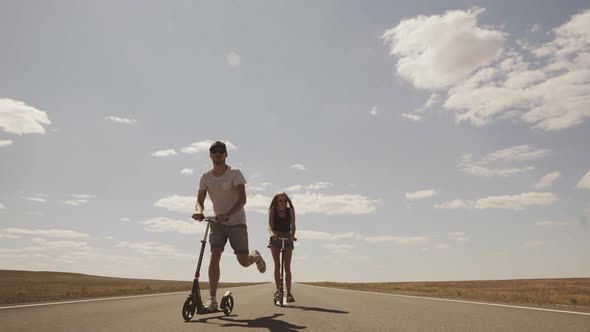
[238,239]
[214,272]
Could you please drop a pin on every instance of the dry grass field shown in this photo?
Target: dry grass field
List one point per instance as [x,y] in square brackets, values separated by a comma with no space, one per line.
[18,287]
[568,293]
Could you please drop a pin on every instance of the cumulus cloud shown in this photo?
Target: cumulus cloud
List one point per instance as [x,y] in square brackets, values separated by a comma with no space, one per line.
[454,204]
[177,203]
[299,167]
[4,143]
[404,240]
[584,182]
[552,223]
[442,50]
[259,186]
[57,233]
[233,60]
[120,120]
[319,235]
[413,117]
[2,206]
[202,146]
[547,180]
[319,185]
[294,188]
[187,171]
[516,202]
[421,194]
[374,111]
[18,118]
[458,236]
[546,86]
[78,199]
[163,224]
[485,166]
[164,153]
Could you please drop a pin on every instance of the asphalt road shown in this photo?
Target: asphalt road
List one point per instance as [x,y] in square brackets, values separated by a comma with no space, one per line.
[316,309]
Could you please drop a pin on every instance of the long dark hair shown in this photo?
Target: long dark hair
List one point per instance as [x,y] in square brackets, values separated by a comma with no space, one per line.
[275,202]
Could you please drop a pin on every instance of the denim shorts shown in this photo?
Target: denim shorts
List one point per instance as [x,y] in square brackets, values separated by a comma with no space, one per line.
[237,235]
[277,243]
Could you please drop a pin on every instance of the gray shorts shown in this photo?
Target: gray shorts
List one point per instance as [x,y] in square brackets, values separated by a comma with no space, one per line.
[237,235]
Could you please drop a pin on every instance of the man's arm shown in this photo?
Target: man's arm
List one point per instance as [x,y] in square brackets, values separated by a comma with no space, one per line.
[199,206]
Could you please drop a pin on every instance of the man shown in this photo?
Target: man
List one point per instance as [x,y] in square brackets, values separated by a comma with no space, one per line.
[226,187]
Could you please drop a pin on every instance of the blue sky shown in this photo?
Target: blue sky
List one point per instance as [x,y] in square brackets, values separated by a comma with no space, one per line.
[417,141]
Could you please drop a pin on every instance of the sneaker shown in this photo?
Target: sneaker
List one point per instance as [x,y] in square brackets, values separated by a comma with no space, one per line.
[290,298]
[211,304]
[276,295]
[260,264]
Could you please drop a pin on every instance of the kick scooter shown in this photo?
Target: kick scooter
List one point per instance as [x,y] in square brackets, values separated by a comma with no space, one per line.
[193,301]
[280,299]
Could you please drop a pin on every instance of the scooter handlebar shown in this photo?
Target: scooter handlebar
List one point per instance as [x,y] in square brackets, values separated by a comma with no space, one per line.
[286,239]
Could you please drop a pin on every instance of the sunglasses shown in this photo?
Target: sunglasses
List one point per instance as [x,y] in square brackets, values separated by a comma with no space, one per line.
[282,200]
[217,150]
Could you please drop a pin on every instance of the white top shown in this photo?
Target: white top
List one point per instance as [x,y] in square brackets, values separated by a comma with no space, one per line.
[223,193]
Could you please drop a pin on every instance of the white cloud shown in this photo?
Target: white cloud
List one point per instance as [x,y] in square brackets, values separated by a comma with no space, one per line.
[454,204]
[413,117]
[432,100]
[187,171]
[536,28]
[458,236]
[203,146]
[319,185]
[299,167]
[2,206]
[78,199]
[163,224]
[36,199]
[406,240]
[117,119]
[164,153]
[516,202]
[177,203]
[18,118]
[545,85]
[332,204]
[547,180]
[374,111]
[533,243]
[4,143]
[260,186]
[58,233]
[60,245]
[233,60]
[152,249]
[442,50]
[584,182]
[552,223]
[318,235]
[294,188]
[517,153]
[421,194]
[441,246]
[125,219]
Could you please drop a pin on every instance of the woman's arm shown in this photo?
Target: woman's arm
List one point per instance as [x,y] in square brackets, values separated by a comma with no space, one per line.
[271,220]
[292,210]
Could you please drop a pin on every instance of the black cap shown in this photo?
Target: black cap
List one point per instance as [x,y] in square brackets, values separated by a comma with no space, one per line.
[218,146]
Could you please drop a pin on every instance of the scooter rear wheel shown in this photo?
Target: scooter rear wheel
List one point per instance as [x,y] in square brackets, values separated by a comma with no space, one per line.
[188,309]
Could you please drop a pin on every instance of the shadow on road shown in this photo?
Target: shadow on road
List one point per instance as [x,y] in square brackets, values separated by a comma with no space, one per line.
[270,322]
[333,311]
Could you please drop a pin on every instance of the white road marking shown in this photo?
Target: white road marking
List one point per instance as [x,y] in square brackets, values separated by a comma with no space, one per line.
[89,300]
[460,301]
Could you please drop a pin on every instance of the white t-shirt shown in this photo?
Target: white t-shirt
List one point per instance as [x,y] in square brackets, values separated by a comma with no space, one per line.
[223,193]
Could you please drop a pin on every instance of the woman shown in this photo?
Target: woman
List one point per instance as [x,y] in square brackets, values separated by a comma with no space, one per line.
[281,223]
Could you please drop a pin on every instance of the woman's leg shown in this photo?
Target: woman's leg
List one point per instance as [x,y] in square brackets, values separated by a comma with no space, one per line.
[288,255]
[276,256]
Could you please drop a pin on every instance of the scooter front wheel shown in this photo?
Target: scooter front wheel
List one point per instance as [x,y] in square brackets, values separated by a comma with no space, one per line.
[188,309]
[228,305]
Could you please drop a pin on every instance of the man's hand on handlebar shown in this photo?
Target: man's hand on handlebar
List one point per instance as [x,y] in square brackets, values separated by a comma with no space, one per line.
[198,216]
